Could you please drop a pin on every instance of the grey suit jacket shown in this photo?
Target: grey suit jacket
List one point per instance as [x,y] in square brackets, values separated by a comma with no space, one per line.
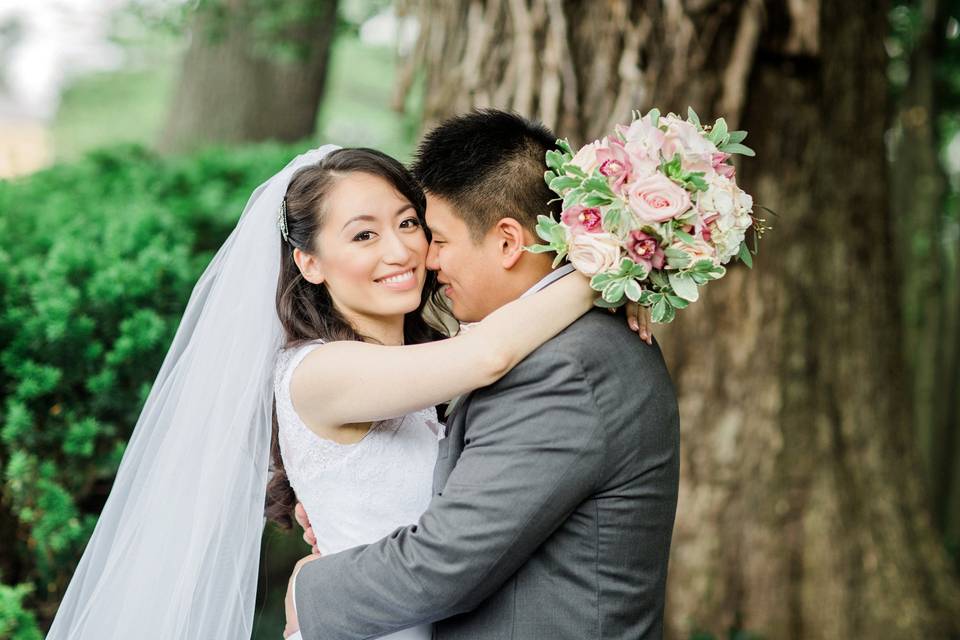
[554,501]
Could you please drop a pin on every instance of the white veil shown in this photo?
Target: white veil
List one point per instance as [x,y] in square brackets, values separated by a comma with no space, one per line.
[176,549]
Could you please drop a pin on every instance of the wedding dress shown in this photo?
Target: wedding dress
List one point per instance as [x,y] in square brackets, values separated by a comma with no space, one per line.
[355,494]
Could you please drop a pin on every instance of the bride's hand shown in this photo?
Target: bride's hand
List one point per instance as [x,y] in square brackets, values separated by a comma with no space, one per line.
[308,536]
[638,319]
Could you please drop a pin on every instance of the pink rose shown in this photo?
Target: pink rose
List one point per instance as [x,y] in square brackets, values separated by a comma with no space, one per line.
[580,218]
[593,253]
[699,250]
[644,249]
[657,198]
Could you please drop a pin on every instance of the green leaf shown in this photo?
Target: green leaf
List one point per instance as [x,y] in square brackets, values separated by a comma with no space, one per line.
[647,297]
[719,131]
[654,117]
[633,290]
[694,118]
[744,255]
[598,184]
[572,197]
[734,147]
[639,271]
[548,176]
[554,161]
[545,227]
[676,258]
[564,145]
[600,280]
[595,200]
[671,169]
[603,304]
[684,236]
[558,236]
[539,248]
[677,302]
[661,311]
[703,265]
[659,278]
[613,292]
[562,183]
[737,136]
[572,169]
[611,217]
[684,286]
[696,181]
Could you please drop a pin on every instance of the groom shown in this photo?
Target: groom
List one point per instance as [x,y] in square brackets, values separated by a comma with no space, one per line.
[555,489]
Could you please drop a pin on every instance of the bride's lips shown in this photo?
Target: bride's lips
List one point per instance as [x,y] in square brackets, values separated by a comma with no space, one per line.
[400,281]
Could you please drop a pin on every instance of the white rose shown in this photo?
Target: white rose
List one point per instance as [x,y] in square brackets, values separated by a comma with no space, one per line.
[586,157]
[593,253]
[727,244]
[684,138]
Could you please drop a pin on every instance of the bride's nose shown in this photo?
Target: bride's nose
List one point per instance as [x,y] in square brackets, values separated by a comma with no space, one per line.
[396,250]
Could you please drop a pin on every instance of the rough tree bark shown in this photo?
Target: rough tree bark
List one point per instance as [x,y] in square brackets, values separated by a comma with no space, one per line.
[803,512]
[235,87]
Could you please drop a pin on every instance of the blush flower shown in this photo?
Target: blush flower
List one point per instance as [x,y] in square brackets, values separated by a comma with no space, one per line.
[644,249]
[586,157]
[657,199]
[615,164]
[580,218]
[721,166]
[593,253]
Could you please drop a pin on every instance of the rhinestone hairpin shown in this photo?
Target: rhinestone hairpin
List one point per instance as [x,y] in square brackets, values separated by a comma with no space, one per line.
[282,220]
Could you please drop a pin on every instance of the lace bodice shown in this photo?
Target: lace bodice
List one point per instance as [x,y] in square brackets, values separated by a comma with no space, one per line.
[356,493]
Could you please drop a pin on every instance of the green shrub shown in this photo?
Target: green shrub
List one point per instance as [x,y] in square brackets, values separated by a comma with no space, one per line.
[97,261]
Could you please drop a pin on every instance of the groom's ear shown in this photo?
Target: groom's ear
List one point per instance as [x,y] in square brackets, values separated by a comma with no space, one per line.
[309,266]
[510,239]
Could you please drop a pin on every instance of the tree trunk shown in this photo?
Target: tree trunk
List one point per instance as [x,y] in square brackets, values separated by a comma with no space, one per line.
[238,85]
[918,190]
[803,512]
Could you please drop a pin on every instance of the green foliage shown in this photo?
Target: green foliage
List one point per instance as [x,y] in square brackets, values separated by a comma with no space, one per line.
[16,622]
[97,261]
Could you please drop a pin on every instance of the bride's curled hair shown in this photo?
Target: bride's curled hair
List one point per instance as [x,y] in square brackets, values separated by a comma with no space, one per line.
[306,310]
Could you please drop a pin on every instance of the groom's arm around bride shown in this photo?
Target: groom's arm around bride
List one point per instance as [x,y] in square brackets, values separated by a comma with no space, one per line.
[554,501]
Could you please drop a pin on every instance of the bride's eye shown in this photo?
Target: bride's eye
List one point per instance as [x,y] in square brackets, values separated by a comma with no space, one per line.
[362,236]
[410,223]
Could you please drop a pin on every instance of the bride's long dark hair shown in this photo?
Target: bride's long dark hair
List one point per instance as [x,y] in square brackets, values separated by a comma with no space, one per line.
[306,310]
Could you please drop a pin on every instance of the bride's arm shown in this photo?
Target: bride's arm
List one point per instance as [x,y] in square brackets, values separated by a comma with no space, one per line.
[347,382]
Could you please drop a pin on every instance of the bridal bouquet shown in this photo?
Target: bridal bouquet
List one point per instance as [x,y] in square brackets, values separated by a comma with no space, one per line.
[651,212]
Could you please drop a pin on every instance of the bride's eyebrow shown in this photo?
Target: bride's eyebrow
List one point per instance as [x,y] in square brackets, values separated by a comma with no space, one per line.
[364,218]
[369,218]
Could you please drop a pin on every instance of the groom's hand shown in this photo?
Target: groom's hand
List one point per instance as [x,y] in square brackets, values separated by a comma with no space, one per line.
[289,606]
[301,515]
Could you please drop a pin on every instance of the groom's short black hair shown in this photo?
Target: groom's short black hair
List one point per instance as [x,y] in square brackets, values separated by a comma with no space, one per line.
[489,165]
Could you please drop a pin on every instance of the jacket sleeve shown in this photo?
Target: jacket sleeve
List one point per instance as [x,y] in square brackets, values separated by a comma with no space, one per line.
[533,451]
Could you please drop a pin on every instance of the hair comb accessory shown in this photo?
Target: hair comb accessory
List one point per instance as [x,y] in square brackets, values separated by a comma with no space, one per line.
[282,220]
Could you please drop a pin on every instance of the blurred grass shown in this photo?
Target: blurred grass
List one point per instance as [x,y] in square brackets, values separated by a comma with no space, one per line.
[105,109]
[130,106]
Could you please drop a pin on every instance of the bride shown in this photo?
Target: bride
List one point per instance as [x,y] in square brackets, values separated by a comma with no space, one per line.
[300,327]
